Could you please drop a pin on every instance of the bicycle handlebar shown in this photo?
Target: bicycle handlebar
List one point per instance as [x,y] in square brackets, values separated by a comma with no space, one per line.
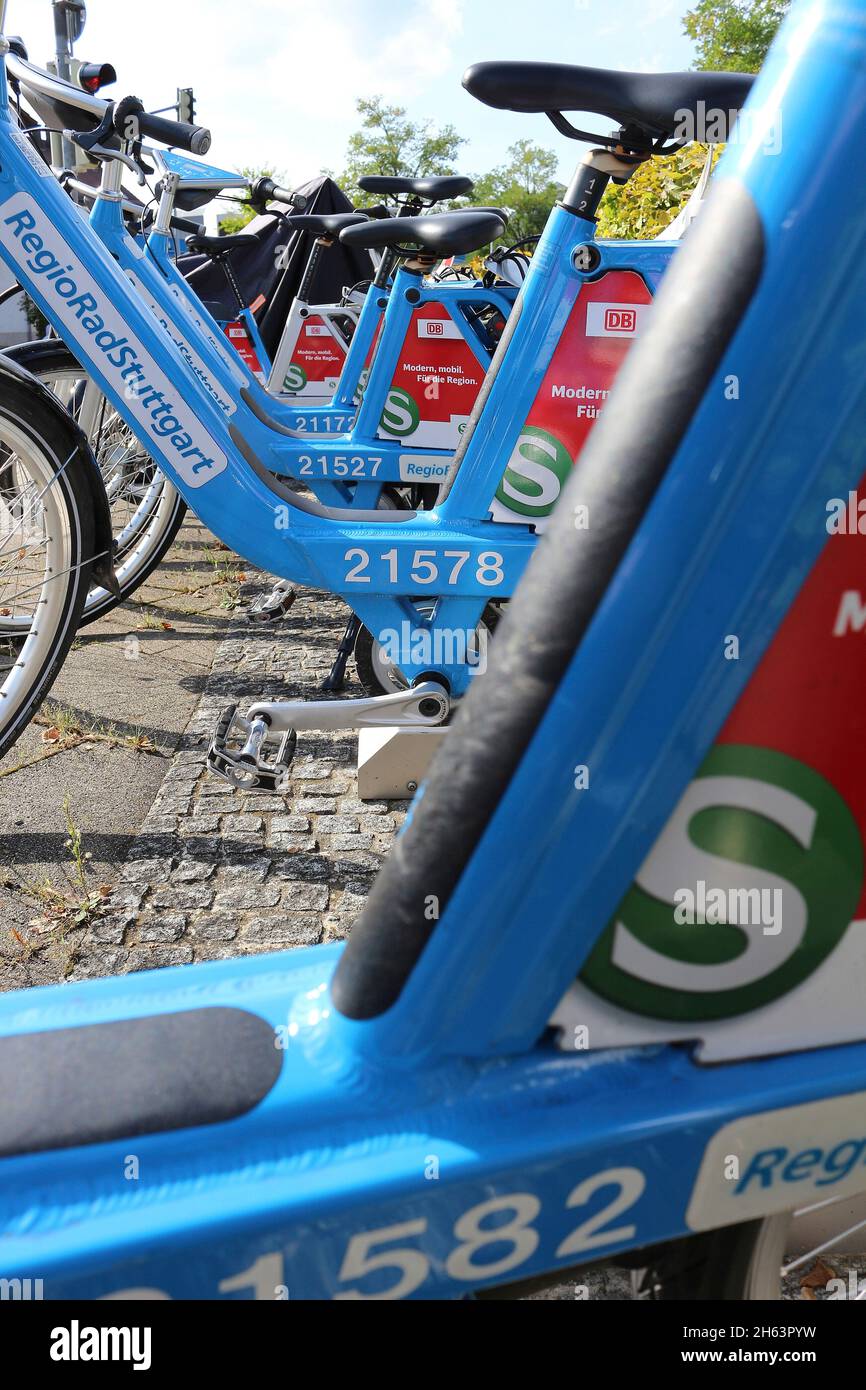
[264,190]
[131,122]
[67,180]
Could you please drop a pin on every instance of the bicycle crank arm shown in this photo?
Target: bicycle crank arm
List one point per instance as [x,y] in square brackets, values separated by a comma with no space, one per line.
[240,748]
[422,704]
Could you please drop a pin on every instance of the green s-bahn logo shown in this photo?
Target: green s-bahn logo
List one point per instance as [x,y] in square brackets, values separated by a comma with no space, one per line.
[750,886]
[536,473]
[295,379]
[401,415]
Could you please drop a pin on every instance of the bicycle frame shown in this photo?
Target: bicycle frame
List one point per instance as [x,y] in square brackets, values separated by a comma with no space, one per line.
[377,1158]
[339,415]
[374,460]
[221,454]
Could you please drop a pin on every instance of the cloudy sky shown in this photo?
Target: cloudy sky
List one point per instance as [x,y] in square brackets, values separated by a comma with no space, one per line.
[276,80]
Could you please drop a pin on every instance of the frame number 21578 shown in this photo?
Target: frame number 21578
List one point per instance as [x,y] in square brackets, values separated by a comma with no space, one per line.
[426,567]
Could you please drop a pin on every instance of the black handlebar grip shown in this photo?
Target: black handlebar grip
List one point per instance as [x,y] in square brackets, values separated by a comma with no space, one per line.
[186,226]
[132,122]
[264,190]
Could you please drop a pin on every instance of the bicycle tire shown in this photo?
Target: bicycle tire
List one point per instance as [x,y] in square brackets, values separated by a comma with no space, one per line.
[738,1263]
[145,550]
[25,413]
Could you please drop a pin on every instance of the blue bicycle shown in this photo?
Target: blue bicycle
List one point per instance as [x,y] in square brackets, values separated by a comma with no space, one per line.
[398,1118]
[148,509]
[420,582]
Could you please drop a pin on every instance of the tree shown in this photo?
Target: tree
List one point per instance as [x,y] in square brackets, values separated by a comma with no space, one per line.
[230,222]
[389,143]
[525,187]
[653,196]
[730,36]
[35,317]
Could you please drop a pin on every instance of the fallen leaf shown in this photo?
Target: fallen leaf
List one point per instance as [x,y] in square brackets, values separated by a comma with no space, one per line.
[51,735]
[809,1293]
[166,627]
[5,612]
[18,937]
[819,1275]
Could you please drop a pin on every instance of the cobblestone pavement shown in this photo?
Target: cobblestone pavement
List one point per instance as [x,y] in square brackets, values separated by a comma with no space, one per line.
[215,872]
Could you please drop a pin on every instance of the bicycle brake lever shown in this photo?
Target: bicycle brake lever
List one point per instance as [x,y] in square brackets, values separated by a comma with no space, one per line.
[100,152]
[87,139]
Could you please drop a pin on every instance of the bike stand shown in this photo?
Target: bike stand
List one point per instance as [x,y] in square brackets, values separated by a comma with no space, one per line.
[336,677]
[392,762]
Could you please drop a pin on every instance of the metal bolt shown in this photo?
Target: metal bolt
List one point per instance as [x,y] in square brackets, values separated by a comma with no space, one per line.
[586,258]
[411,786]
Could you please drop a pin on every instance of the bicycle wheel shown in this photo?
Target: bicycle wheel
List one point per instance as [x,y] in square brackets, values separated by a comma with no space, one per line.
[758,1260]
[46,549]
[147,511]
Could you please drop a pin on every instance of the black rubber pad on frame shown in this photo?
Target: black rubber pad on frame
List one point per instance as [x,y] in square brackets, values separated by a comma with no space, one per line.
[104,1081]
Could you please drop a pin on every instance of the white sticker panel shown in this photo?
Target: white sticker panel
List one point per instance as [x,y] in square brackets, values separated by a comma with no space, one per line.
[437,328]
[615,320]
[190,356]
[781,1160]
[422,468]
[90,320]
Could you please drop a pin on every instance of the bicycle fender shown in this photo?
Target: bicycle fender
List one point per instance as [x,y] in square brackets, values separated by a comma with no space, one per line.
[10,367]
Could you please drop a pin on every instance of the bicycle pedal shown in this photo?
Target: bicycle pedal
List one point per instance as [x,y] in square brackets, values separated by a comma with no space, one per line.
[248,767]
[269,608]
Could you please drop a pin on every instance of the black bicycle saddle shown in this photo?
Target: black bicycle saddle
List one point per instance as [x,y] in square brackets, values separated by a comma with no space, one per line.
[655,101]
[443,234]
[431,189]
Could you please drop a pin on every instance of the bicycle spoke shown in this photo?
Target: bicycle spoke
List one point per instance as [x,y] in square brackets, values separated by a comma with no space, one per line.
[820,1249]
[55,478]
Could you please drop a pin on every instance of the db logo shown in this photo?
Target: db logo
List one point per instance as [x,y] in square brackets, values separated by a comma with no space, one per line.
[613,320]
[434,328]
[620,320]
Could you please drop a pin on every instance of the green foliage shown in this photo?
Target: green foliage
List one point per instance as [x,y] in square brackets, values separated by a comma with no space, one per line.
[732,36]
[235,221]
[525,186]
[35,317]
[653,196]
[389,143]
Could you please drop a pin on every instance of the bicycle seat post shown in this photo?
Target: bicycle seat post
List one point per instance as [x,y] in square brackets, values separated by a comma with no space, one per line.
[385,269]
[320,245]
[593,174]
